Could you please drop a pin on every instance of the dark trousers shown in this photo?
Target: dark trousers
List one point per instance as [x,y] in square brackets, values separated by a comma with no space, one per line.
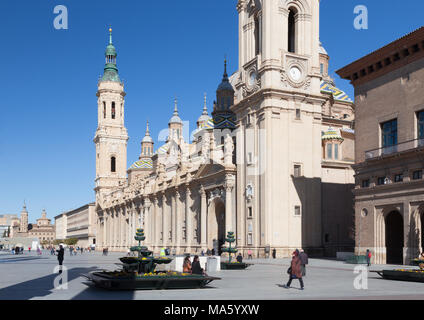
[291,279]
[60,264]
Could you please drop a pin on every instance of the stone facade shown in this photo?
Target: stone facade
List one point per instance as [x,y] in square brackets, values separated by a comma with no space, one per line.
[260,167]
[389,190]
[42,229]
[78,224]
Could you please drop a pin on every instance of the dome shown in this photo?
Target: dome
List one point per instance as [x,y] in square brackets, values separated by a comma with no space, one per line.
[176,118]
[110,50]
[331,134]
[225,85]
[147,139]
[322,49]
[142,164]
[204,116]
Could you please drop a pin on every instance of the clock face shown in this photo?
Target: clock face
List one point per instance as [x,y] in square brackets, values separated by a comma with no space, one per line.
[295,73]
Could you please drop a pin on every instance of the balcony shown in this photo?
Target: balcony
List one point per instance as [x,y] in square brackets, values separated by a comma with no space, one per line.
[398,148]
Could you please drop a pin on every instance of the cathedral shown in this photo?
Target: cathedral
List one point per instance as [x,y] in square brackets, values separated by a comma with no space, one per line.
[272,162]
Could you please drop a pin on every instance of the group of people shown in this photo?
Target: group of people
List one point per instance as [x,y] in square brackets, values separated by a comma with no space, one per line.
[193,267]
[73,251]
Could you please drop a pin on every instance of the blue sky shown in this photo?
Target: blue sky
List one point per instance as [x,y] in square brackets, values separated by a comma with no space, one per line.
[165,48]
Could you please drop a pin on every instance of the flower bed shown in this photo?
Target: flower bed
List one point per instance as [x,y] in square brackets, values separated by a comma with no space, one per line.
[415,275]
[149,281]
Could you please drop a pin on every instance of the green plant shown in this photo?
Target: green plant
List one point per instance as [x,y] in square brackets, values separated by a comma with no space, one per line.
[71,241]
[230,239]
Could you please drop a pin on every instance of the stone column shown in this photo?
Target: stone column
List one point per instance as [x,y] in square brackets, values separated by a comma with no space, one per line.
[173,219]
[115,228]
[147,223]
[164,221]
[178,224]
[156,223]
[229,185]
[203,216]
[188,219]
[104,230]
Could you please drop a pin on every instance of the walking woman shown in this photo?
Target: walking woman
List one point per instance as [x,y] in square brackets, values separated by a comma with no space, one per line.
[295,271]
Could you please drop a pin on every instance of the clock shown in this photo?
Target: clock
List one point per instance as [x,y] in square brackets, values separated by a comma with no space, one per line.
[295,73]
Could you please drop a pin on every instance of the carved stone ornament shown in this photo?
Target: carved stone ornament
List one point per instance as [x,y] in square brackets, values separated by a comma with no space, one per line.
[253,82]
[217,193]
[249,191]
[302,81]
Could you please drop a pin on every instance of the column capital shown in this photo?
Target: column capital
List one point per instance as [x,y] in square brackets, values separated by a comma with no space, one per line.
[229,182]
[202,191]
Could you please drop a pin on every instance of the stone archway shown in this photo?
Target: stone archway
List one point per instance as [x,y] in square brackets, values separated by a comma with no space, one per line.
[216,225]
[394,237]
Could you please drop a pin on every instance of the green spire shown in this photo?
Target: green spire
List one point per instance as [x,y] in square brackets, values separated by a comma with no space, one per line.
[111,70]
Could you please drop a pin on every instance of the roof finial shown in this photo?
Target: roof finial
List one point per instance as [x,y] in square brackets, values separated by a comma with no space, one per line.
[205,107]
[225,67]
[176,107]
[147,129]
[110,35]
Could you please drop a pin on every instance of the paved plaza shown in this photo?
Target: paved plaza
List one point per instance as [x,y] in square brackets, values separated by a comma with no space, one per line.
[29,276]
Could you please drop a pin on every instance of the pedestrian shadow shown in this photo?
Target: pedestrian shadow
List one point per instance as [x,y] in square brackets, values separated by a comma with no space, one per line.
[282,286]
[39,287]
[18,259]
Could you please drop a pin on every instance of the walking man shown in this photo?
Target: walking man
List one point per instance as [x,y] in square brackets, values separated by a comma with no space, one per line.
[303,261]
[60,257]
[295,271]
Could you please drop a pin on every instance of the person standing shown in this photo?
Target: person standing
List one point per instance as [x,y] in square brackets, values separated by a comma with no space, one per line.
[60,257]
[295,271]
[368,257]
[303,261]
[239,258]
[249,254]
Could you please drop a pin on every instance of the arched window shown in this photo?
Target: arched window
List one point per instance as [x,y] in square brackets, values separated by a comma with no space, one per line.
[257,37]
[113,110]
[292,31]
[104,110]
[113,164]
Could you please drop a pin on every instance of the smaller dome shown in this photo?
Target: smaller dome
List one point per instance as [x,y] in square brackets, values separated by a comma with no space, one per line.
[331,134]
[225,85]
[147,139]
[176,118]
[110,50]
[322,49]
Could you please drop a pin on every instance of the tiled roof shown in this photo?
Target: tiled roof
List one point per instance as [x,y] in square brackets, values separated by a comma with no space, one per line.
[339,95]
[142,164]
[331,134]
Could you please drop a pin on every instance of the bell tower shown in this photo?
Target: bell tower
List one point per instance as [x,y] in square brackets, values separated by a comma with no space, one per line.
[111,135]
[278,109]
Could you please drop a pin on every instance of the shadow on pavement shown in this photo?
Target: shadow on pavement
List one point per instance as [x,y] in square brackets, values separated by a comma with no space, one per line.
[94,293]
[39,287]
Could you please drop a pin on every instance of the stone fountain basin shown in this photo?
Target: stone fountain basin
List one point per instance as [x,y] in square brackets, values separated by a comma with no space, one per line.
[152,281]
[134,260]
